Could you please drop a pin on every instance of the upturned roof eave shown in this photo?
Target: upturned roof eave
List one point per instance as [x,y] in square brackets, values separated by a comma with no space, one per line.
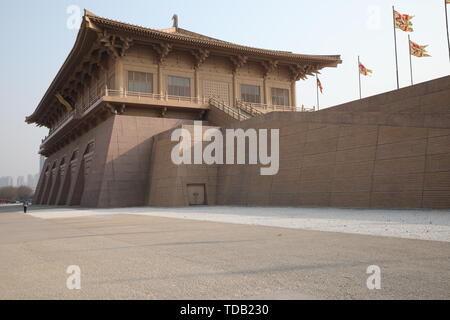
[77,47]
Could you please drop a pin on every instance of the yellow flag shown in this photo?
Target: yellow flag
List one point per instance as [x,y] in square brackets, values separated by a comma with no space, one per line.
[403,21]
[418,50]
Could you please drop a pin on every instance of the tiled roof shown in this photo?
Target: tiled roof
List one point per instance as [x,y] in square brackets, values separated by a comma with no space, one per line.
[178,34]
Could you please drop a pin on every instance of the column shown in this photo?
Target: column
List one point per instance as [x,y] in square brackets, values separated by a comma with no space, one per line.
[119,75]
[266,92]
[235,97]
[293,94]
[160,82]
[196,85]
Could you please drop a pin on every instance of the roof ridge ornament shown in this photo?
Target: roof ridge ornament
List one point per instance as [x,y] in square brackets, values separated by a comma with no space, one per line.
[175,21]
[89,13]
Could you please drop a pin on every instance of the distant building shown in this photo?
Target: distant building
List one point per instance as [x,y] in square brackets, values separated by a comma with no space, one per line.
[6,181]
[32,181]
[20,181]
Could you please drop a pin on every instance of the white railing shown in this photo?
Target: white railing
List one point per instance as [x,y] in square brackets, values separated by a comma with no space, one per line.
[242,110]
[154,96]
[126,93]
[84,105]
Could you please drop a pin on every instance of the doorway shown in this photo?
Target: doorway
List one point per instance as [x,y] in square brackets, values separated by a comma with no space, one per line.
[196,194]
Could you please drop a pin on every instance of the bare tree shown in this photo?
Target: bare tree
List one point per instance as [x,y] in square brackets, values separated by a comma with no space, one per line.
[24,193]
[8,192]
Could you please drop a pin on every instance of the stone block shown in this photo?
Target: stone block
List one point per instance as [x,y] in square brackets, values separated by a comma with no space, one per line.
[400,166]
[407,199]
[395,134]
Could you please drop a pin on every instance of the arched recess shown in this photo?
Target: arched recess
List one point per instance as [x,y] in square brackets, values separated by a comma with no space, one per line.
[67,174]
[83,172]
[50,179]
[57,184]
[42,187]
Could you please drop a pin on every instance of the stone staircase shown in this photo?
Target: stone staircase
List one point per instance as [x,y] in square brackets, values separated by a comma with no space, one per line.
[243,110]
[236,112]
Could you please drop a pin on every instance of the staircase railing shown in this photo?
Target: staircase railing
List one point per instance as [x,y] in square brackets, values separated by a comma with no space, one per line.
[264,108]
[306,109]
[248,108]
[233,112]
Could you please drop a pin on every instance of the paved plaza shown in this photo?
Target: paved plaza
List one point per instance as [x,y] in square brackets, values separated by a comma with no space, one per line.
[149,253]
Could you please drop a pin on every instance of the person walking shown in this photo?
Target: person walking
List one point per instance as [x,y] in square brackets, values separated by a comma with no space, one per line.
[25,207]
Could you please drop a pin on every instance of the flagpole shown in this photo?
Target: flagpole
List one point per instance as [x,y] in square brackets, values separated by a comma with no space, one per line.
[359,75]
[395,45]
[410,59]
[446,23]
[317,92]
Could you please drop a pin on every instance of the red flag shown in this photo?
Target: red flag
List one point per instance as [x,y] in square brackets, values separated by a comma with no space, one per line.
[363,70]
[319,84]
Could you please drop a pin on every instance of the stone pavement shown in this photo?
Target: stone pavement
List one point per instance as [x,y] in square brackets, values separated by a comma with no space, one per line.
[143,257]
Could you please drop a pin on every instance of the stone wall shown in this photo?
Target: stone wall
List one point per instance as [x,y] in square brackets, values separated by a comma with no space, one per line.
[125,180]
[386,151]
[60,186]
[347,165]
[390,150]
[168,182]
[396,155]
[113,174]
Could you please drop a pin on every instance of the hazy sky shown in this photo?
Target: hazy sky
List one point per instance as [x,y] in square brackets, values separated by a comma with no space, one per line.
[36,40]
